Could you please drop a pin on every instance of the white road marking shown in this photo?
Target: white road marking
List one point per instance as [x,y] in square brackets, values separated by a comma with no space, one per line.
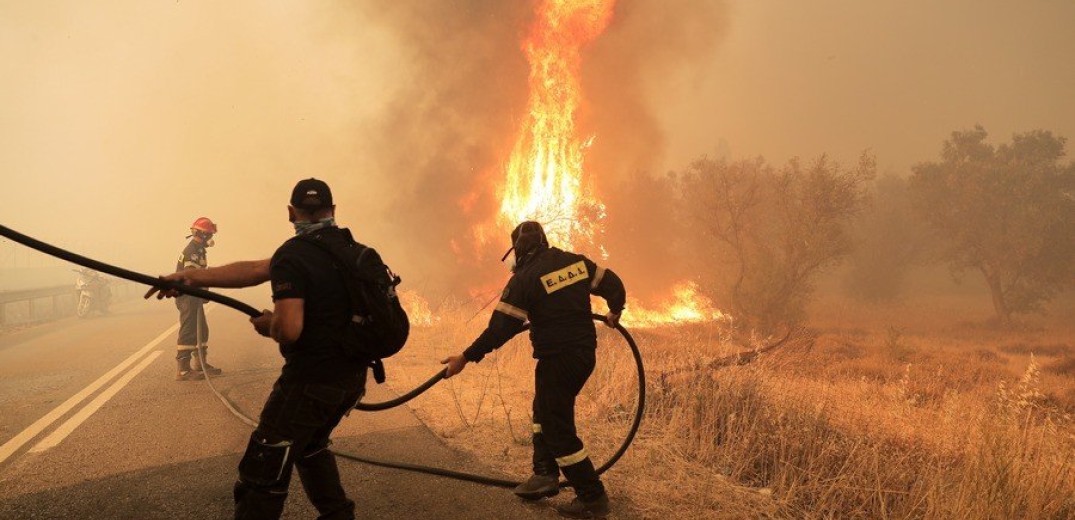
[65,429]
[16,442]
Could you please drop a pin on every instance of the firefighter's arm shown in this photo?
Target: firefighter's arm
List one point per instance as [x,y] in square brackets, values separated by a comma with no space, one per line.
[288,295]
[506,322]
[237,274]
[286,321]
[608,285]
[502,327]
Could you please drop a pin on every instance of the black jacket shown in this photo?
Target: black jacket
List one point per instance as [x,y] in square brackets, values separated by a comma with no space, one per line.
[300,269]
[551,291]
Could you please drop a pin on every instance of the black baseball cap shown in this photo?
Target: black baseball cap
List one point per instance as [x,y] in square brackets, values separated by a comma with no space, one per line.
[311,194]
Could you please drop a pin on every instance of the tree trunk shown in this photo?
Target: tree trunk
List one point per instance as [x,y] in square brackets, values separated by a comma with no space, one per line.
[1004,315]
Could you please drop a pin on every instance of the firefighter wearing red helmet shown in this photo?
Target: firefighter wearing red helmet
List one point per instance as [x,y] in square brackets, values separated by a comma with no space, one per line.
[193,329]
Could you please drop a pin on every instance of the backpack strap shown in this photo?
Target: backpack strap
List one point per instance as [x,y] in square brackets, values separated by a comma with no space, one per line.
[378,370]
[324,246]
[376,365]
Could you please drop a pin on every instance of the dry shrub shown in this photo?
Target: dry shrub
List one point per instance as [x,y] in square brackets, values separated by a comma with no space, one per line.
[1063,400]
[1064,366]
[769,433]
[983,355]
[1016,470]
[844,350]
[929,386]
[835,357]
[1037,349]
[896,346]
[800,433]
[970,376]
[867,369]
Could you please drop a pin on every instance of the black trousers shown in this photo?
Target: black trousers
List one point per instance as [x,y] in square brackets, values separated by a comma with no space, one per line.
[294,432]
[558,380]
[193,329]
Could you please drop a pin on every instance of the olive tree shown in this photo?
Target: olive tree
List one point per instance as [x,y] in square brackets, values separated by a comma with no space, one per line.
[1006,212]
[771,231]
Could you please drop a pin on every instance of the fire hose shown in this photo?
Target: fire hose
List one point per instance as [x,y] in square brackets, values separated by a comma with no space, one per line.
[153,281]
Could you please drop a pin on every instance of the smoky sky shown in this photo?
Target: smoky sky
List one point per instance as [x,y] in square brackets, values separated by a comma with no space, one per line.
[895,77]
[121,122]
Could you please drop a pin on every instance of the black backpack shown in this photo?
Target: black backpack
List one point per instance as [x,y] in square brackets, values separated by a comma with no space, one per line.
[379,326]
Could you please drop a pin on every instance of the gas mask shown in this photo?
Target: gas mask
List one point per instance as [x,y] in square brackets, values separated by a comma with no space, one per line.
[206,238]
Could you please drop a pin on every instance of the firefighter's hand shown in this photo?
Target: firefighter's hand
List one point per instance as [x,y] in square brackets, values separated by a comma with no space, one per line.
[164,292]
[612,319]
[456,364]
[262,323]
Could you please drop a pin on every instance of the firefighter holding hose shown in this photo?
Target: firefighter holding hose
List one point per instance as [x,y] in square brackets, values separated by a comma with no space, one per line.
[319,382]
[193,328]
[551,289]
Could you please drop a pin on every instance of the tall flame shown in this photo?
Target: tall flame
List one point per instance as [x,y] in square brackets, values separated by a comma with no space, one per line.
[544,174]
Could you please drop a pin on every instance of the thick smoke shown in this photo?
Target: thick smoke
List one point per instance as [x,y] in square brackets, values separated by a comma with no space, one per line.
[650,54]
[124,124]
[446,129]
[449,130]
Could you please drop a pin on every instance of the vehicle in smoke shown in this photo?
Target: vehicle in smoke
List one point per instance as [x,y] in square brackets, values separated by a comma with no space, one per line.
[93,293]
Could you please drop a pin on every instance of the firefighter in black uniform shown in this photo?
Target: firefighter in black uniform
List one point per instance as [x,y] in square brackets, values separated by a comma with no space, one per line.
[193,329]
[318,384]
[551,289]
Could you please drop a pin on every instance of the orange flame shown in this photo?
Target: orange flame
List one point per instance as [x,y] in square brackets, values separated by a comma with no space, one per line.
[545,173]
[686,306]
[417,309]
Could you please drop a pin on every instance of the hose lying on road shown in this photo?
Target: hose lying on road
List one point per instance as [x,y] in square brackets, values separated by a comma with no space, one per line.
[252,312]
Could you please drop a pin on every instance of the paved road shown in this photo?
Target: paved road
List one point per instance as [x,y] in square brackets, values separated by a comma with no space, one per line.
[94,426]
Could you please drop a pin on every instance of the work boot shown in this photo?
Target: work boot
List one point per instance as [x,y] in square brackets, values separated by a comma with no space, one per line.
[184,372]
[200,360]
[579,508]
[538,486]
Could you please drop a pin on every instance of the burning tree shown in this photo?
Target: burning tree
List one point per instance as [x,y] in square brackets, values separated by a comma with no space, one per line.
[777,229]
[1007,212]
[544,176]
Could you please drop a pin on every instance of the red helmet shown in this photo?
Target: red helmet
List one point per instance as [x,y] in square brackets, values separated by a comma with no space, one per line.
[204,225]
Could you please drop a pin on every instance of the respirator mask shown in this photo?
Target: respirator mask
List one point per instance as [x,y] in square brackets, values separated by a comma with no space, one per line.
[509,259]
[206,238]
[527,240]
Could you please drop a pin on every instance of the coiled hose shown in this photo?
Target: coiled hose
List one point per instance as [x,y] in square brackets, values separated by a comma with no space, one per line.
[153,281]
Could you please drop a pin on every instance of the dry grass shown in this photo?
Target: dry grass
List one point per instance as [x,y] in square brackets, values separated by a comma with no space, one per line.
[903,415]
